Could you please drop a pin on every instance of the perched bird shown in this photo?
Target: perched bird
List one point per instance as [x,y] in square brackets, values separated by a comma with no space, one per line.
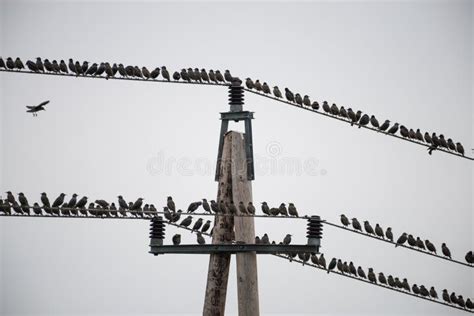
[265,240]
[315,105]
[19,64]
[122,203]
[204,75]
[277,92]
[469,304]
[340,266]
[382,278]
[242,208]
[176,239]
[344,220]
[322,261]
[445,296]
[138,204]
[287,239]
[334,109]
[185,75]
[314,259]
[405,285]
[430,246]
[10,63]
[257,240]
[350,113]
[419,243]
[374,121]
[37,108]
[283,210]
[356,224]
[428,138]
[85,65]
[39,64]
[371,276]
[332,264]
[469,258]
[215,206]
[433,293]
[206,226]
[101,69]
[187,221]
[16,207]
[289,95]
[200,239]
[306,100]
[424,291]
[411,240]
[146,73]
[343,112]
[32,66]
[443,141]
[231,207]
[197,225]
[197,75]
[176,216]
[389,234]
[460,148]
[2,63]
[170,204]
[212,76]
[379,231]
[102,203]
[46,204]
[219,76]
[227,76]
[113,210]
[404,131]
[364,120]
[92,70]
[154,73]
[292,210]
[368,228]
[451,144]
[176,76]
[453,298]
[304,256]
[265,208]
[81,205]
[78,68]
[167,214]
[352,269]
[402,239]
[251,208]
[73,201]
[393,129]
[266,88]
[57,203]
[137,72]
[298,99]
[10,197]
[415,289]
[206,206]
[25,207]
[418,135]
[445,250]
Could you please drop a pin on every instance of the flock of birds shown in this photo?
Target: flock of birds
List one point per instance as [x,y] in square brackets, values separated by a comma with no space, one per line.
[390,281]
[202,76]
[417,243]
[357,117]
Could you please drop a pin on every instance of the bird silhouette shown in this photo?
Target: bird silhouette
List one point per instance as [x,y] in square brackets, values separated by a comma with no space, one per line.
[187,221]
[287,239]
[206,226]
[356,224]
[368,228]
[164,73]
[344,220]
[37,108]
[197,224]
[277,92]
[200,239]
[379,231]
[176,239]
[251,208]
[332,264]
[446,250]
[389,234]
[402,239]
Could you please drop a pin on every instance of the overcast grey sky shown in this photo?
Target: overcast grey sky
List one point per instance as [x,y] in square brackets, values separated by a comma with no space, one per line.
[408,61]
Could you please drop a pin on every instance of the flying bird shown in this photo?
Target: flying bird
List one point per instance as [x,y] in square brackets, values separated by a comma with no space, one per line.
[35,109]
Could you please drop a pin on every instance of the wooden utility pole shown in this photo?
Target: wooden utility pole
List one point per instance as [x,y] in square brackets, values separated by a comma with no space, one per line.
[233,186]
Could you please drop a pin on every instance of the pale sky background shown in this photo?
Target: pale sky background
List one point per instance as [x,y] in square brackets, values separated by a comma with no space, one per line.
[409,61]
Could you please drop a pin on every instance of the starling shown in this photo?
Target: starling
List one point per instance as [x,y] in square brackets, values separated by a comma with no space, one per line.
[398,283]
[5,207]
[114,69]
[257,240]
[344,220]
[433,293]
[249,83]
[197,225]
[222,207]
[204,75]
[304,256]
[167,214]
[113,210]
[10,63]
[356,224]
[266,88]
[287,239]
[292,210]
[25,207]
[374,121]
[200,239]
[306,101]
[430,246]
[176,239]
[283,210]
[424,291]
[122,203]
[469,258]
[48,65]
[78,68]
[405,285]
[352,269]
[2,63]
[176,216]
[138,204]
[334,109]
[460,149]
[351,115]
[274,211]
[265,240]
[371,276]
[314,259]
[85,65]
[197,75]
[128,70]
[251,208]
[32,66]
[315,106]
[10,197]
[332,264]
[453,298]
[411,240]
[393,129]
[39,64]
[45,201]
[193,206]
[415,289]
[277,92]
[298,99]
[206,226]
[402,239]
[389,234]
[469,304]
[445,250]
[64,209]
[170,204]
[451,145]
[231,207]
[435,140]
[412,134]
[219,76]
[215,206]
[137,72]
[404,131]
[17,208]
[176,76]
[289,95]
[92,70]
[73,201]
[57,203]
[322,261]
[428,138]
[206,206]
[446,296]
[227,76]
[187,221]
[164,73]
[340,266]
[212,76]
[19,64]
[91,208]
[379,231]
[99,70]
[242,208]
[109,71]
[71,65]
[102,203]
[418,135]
[382,278]
[257,85]
[368,228]
[153,210]
[420,244]
[185,75]
[265,208]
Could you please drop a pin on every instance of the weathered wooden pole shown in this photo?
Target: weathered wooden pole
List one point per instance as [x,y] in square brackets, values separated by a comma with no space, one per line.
[233,186]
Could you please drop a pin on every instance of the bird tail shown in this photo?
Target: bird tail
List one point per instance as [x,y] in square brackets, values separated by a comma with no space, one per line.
[329,271]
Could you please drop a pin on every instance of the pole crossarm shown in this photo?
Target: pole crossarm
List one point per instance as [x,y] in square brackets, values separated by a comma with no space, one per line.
[232,249]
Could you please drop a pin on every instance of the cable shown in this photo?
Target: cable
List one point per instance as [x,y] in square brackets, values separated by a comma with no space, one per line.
[394,243]
[349,122]
[356,278]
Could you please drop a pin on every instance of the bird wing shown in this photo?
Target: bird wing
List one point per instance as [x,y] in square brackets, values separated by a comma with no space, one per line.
[31,107]
[43,103]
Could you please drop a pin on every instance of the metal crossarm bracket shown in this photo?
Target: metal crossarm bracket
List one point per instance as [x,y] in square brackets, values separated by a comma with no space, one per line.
[247,117]
[233,248]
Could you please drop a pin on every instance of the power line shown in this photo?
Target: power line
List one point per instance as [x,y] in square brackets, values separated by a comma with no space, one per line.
[353,277]
[394,243]
[349,122]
